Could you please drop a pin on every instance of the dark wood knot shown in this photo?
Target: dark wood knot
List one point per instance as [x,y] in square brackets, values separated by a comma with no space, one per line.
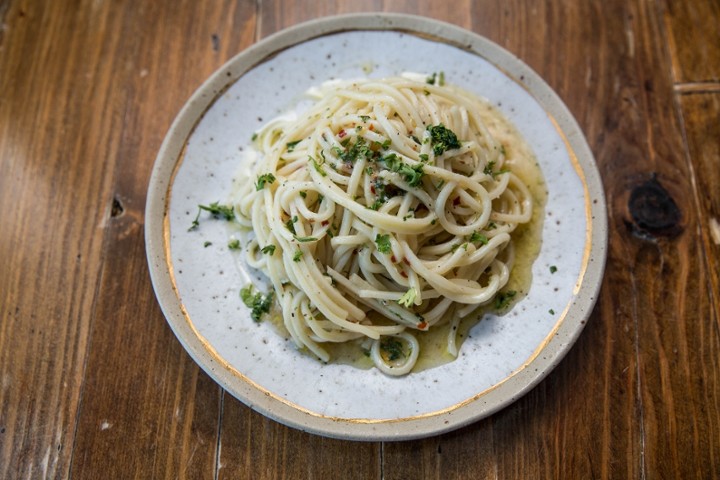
[117,208]
[654,211]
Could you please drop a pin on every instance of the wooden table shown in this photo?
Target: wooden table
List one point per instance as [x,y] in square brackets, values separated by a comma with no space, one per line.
[93,384]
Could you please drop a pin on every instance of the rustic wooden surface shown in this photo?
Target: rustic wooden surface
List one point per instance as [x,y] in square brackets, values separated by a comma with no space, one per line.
[93,383]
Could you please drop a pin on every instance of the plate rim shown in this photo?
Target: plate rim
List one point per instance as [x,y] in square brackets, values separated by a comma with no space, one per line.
[556,344]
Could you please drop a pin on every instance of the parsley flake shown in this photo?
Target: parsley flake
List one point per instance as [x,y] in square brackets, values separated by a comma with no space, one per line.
[392,348]
[216,210]
[318,167]
[442,139]
[502,300]
[383,243]
[304,239]
[478,237]
[291,145]
[258,302]
[268,178]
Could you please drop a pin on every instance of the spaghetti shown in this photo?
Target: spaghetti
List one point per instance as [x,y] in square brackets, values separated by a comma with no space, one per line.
[385,209]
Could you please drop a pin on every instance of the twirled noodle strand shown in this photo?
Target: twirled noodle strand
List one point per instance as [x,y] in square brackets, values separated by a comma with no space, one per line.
[389,196]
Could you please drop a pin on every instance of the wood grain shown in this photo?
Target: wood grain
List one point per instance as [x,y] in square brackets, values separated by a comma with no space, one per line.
[52,113]
[161,400]
[693,38]
[701,115]
[93,383]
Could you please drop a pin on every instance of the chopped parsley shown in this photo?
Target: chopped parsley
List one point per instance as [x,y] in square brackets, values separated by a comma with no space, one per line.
[436,77]
[305,239]
[392,348]
[488,170]
[502,299]
[207,244]
[318,167]
[383,243]
[268,249]
[291,145]
[551,311]
[268,178]
[234,244]
[411,174]
[298,255]
[377,204]
[408,297]
[290,224]
[424,157]
[216,210]
[254,136]
[364,118]
[553,269]
[353,151]
[303,193]
[478,237]
[442,139]
[258,302]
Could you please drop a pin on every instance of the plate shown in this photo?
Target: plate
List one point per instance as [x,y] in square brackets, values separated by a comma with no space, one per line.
[197,278]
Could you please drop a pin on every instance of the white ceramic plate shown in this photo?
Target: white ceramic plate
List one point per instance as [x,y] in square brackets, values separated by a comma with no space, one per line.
[198,286]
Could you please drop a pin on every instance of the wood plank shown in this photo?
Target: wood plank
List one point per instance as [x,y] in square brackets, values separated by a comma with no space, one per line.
[608,409]
[693,38]
[253,446]
[274,15]
[701,116]
[147,410]
[57,114]
[142,391]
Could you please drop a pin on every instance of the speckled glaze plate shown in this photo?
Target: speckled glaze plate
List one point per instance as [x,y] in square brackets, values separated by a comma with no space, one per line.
[197,278]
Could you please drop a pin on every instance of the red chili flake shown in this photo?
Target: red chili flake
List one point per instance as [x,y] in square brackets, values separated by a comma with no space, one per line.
[342,133]
[422,325]
[402,272]
[371,127]
[456,201]
[324,223]
[393,259]
[372,188]
[406,261]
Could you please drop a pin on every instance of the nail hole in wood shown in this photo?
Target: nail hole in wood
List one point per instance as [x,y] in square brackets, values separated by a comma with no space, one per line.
[117,208]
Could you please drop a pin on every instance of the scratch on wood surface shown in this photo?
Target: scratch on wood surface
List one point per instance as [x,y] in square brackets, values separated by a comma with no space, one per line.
[218,446]
[3,26]
[258,21]
[631,42]
[638,373]
[715,230]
